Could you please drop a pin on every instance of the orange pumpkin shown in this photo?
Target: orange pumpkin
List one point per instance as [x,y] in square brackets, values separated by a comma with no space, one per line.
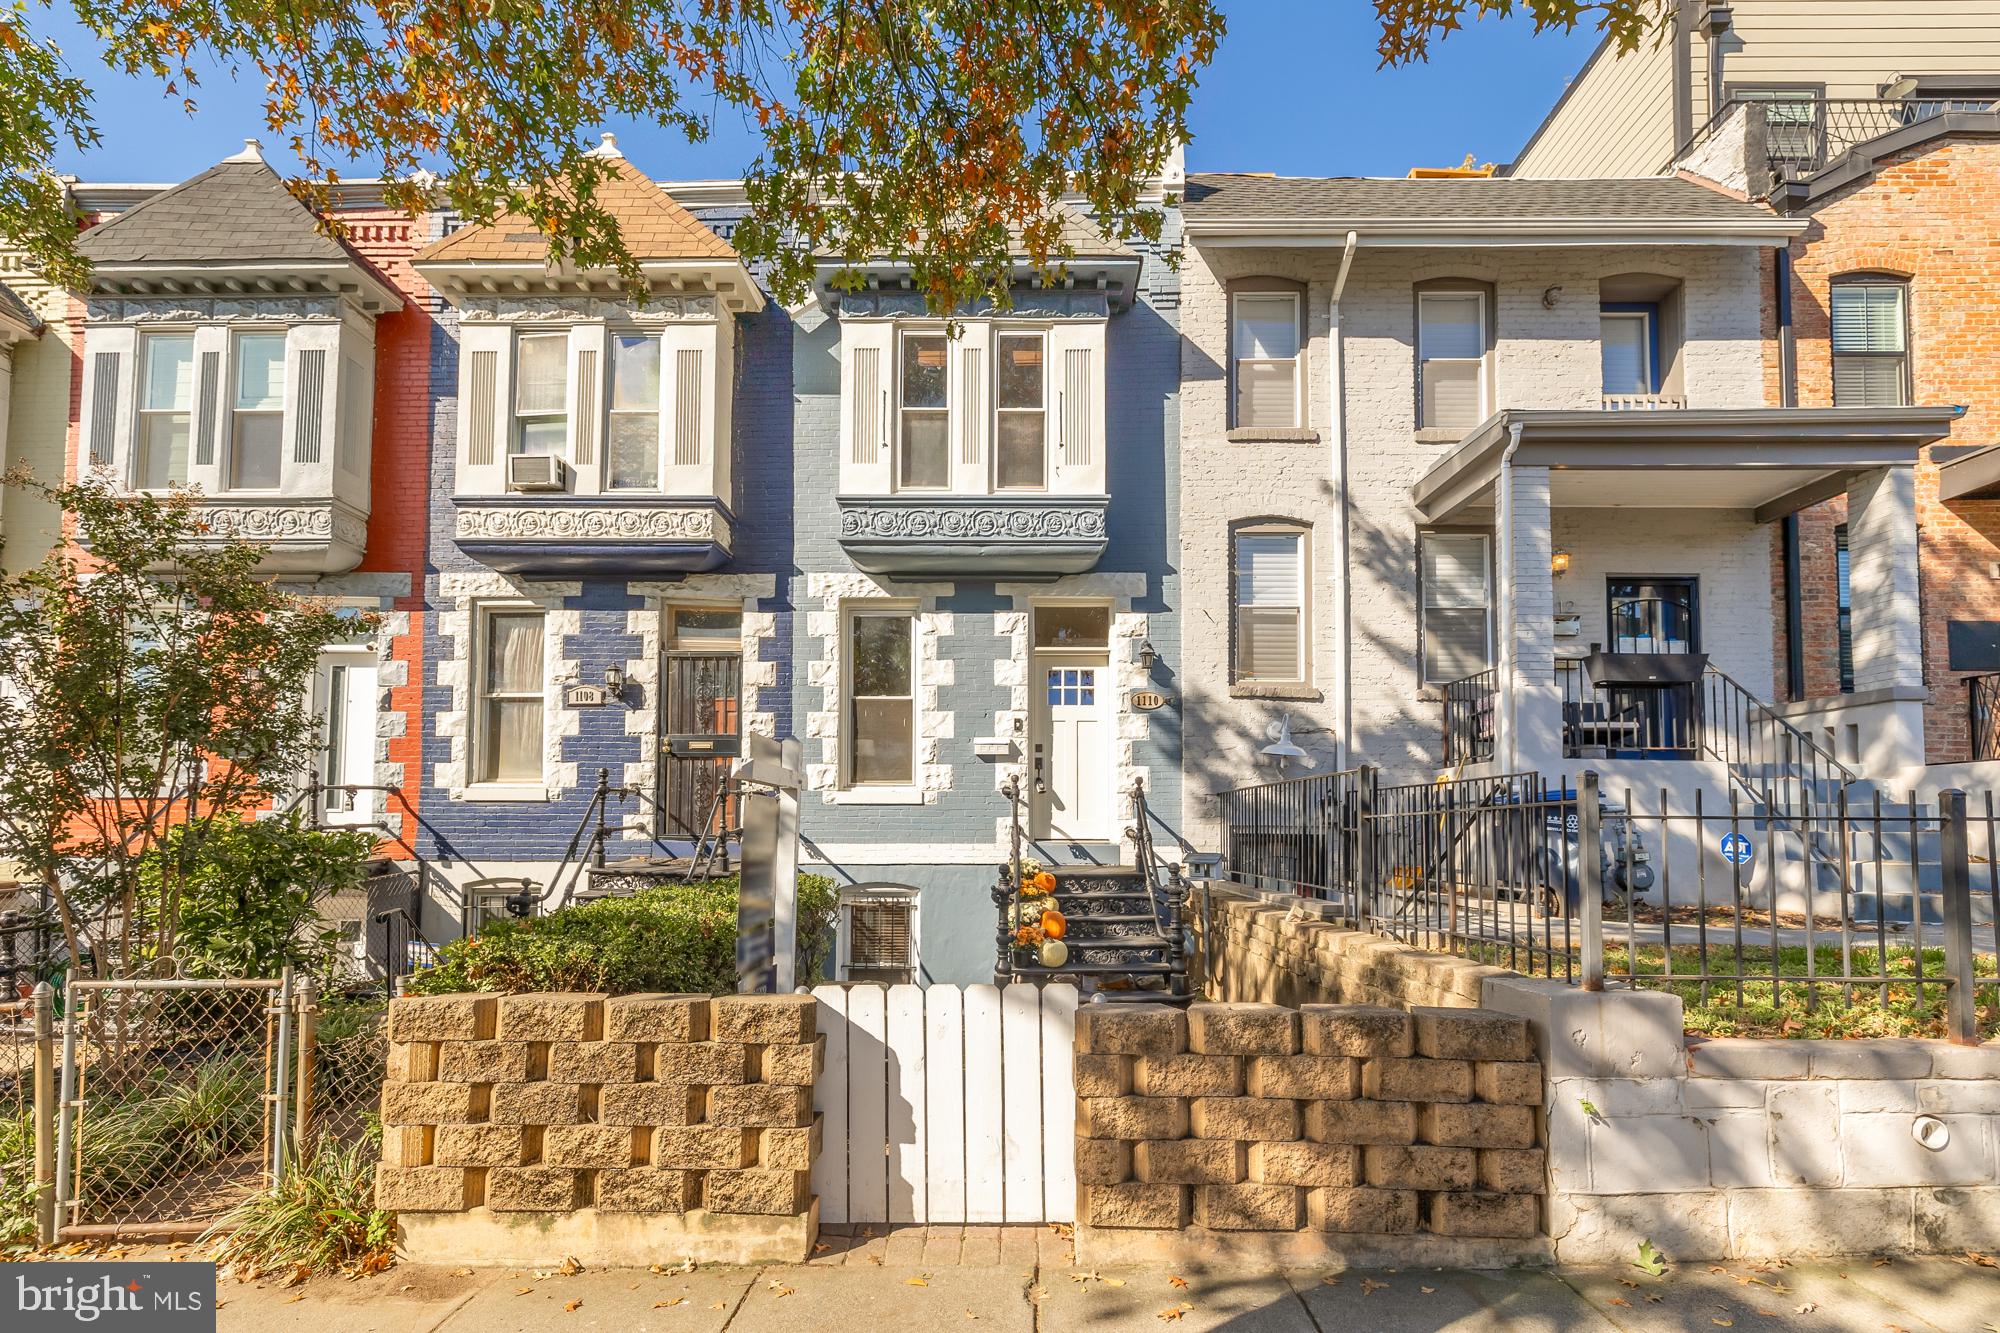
[1054,924]
[1046,882]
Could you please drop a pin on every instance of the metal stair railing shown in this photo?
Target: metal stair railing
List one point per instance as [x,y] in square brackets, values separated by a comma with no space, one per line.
[1152,866]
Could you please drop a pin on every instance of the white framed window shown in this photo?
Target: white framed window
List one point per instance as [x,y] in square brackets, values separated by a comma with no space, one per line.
[1451,359]
[1457,629]
[1270,610]
[1264,351]
[881,712]
[634,435]
[923,421]
[510,689]
[1871,361]
[541,394]
[1625,351]
[166,409]
[878,935]
[345,701]
[257,411]
[1020,405]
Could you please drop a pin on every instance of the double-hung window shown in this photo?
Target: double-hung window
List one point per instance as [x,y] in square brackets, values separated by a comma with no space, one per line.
[1871,362]
[257,412]
[1021,405]
[1270,583]
[510,699]
[1451,359]
[881,689]
[1457,606]
[635,412]
[165,411]
[1626,352]
[923,425]
[1264,349]
[541,393]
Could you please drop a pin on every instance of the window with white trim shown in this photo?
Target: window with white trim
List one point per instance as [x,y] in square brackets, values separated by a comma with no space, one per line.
[1451,359]
[633,439]
[1626,352]
[1264,351]
[878,938]
[923,425]
[1457,605]
[509,682]
[881,697]
[257,411]
[1020,404]
[166,411]
[1269,596]
[541,394]
[1871,362]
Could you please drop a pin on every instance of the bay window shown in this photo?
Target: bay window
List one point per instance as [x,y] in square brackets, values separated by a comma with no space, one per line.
[1457,605]
[257,415]
[541,393]
[510,698]
[881,698]
[1269,594]
[923,424]
[1021,406]
[165,411]
[634,434]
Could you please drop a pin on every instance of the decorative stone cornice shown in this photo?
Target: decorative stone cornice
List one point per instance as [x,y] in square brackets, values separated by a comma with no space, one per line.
[586,534]
[608,522]
[933,535]
[184,309]
[313,535]
[1020,522]
[578,308]
[1029,303]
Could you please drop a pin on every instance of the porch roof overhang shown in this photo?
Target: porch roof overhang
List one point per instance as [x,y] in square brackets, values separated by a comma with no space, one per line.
[1972,475]
[1769,460]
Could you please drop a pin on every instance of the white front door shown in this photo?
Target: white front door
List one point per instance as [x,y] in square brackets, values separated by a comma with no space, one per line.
[1070,768]
[344,697]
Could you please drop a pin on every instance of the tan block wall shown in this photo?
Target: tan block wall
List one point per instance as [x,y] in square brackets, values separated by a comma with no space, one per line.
[1271,950]
[1346,1119]
[554,1103]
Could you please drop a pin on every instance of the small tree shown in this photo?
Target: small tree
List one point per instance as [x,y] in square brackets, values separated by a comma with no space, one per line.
[150,681]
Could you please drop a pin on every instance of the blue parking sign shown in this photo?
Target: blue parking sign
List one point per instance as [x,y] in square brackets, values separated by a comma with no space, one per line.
[1736,849]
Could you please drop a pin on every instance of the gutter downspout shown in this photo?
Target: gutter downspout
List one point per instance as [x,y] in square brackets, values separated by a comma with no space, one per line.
[1503,527]
[1788,390]
[1343,674]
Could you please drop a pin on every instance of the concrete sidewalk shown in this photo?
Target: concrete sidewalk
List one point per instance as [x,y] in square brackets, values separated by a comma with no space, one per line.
[1022,1280]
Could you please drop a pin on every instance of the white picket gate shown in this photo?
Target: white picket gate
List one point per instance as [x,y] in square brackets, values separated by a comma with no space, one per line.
[947,1104]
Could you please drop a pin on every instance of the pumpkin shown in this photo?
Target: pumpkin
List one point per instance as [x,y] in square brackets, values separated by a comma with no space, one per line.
[1054,924]
[1045,882]
[1053,953]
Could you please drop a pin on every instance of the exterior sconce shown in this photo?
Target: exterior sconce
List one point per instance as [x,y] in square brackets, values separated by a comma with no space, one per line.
[1148,654]
[1559,563]
[614,678]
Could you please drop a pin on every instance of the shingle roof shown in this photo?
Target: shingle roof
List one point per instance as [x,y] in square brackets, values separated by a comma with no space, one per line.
[1219,198]
[236,211]
[650,223]
[1077,229]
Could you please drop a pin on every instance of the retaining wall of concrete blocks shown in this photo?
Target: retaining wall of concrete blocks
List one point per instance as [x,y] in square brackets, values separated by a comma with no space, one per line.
[1335,1125]
[628,1129]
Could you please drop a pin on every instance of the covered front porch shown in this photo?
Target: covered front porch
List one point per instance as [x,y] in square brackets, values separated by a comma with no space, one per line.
[1633,612]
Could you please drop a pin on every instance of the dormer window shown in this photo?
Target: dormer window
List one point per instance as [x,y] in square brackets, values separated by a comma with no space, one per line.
[257,420]
[541,393]
[165,412]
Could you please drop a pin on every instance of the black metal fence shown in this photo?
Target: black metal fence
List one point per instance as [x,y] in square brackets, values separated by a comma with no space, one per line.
[1983,712]
[1468,717]
[1803,132]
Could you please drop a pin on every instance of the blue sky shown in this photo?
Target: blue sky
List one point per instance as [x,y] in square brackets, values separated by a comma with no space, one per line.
[1294,89]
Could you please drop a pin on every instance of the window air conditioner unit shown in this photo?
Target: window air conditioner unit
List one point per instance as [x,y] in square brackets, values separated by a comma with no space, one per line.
[537,472]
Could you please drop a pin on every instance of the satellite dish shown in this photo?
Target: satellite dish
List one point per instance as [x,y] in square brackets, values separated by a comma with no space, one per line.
[1282,748]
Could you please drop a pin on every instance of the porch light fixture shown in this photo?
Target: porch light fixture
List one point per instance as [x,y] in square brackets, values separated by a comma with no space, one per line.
[1282,748]
[614,675]
[1148,654]
[1559,563]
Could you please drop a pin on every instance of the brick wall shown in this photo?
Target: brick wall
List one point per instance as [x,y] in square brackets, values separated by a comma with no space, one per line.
[1331,1119]
[504,1112]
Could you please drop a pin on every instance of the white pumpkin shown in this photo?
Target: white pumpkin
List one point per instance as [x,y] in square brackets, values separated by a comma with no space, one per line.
[1054,953]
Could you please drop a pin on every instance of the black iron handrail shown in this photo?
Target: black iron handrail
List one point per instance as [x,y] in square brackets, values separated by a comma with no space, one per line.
[1803,135]
[1983,702]
[1469,707]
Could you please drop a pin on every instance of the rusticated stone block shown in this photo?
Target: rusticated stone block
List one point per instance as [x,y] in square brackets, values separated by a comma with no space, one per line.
[588,1145]
[1242,1029]
[1508,1082]
[1472,1034]
[1310,1164]
[1188,1161]
[594,1062]
[539,1104]
[704,1147]
[441,1017]
[1496,1216]
[1152,1207]
[433,1104]
[1131,1029]
[1355,1030]
[412,1062]
[1252,1119]
[1391,1080]
[766,1193]
[1188,1076]
[1102,1075]
[535,1189]
[1419,1167]
[1304,1077]
[1103,1161]
[1361,1122]
[1246,1207]
[409,1145]
[798,1065]
[656,1017]
[479,1145]
[1476,1125]
[1513,1171]
[1362,1211]
[650,1104]
[760,1105]
[764,1020]
[790,1149]
[483,1062]
[1131,1117]
[422,1189]
[645,1189]
[702,1064]
[552,1016]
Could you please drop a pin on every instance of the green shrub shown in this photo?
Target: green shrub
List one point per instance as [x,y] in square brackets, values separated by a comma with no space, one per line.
[320,1218]
[17,1183]
[675,937]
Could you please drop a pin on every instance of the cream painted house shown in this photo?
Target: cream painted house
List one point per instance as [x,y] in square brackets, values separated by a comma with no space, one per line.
[36,355]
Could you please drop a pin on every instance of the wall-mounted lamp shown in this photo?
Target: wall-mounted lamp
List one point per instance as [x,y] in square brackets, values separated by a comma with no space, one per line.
[1559,563]
[1148,654]
[614,678]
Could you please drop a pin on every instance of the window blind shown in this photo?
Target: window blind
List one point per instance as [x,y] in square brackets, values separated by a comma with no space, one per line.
[1456,600]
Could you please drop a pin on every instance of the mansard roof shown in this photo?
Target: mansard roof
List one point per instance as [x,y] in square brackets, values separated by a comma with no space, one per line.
[238,211]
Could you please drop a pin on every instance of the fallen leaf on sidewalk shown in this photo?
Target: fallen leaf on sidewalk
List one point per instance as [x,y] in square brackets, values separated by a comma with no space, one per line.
[1173,1313]
[1883,1261]
[668,1305]
[461,1272]
[720,1305]
[1331,1279]
[821,1247]
[1369,1286]
[1807,1308]
[524,1291]
[1620,1300]
[1428,1291]
[1628,1282]
[1176,1280]
[572,1307]
[1650,1261]
[1979,1260]
[919,1281]
[780,1288]
[570,1266]
[1723,1323]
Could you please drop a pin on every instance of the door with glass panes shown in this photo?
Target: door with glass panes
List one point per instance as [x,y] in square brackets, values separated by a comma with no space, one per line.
[701,674]
[1074,707]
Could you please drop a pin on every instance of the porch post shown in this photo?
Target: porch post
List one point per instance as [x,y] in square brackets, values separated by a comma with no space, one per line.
[1882,579]
[1529,730]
